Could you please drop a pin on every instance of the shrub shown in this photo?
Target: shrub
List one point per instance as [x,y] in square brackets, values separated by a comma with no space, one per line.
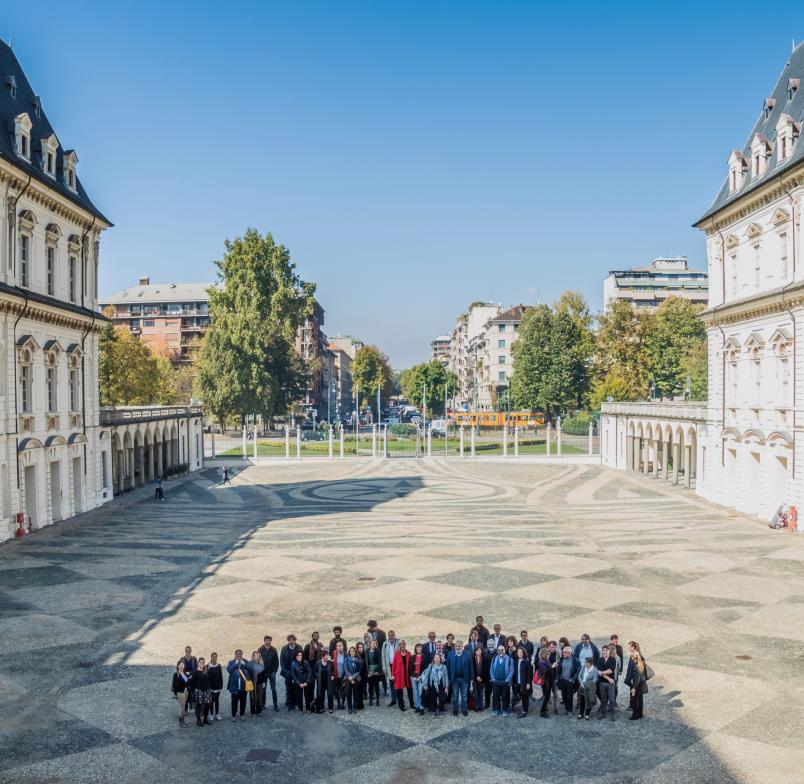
[578,423]
[402,430]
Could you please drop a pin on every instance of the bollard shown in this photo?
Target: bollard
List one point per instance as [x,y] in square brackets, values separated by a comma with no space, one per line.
[298,443]
[591,426]
[255,442]
[330,441]
[341,439]
[287,442]
[472,441]
[385,442]
[505,440]
[558,436]
[460,439]
[430,442]
[549,433]
[213,443]
[245,449]
[516,441]
[374,442]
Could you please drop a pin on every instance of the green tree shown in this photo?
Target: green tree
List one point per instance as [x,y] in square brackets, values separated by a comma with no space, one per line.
[553,357]
[695,366]
[676,329]
[433,377]
[621,358]
[248,362]
[370,369]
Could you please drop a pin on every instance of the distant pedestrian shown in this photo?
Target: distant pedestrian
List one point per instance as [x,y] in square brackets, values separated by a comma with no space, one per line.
[226,475]
[159,493]
[636,679]
[180,688]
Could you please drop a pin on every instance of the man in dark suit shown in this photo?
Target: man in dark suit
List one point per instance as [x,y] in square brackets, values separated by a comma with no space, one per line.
[482,632]
[286,657]
[498,637]
[430,649]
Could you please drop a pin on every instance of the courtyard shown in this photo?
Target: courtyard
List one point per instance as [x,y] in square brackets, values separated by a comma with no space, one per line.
[94,613]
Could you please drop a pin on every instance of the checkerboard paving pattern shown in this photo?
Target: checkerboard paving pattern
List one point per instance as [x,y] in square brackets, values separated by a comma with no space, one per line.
[716,601]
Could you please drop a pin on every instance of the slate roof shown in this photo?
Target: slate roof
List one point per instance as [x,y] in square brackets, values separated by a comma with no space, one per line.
[512,314]
[25,102]
[160,292]
[794,69]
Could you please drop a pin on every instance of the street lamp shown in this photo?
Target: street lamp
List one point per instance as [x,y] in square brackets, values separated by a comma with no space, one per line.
[329,401]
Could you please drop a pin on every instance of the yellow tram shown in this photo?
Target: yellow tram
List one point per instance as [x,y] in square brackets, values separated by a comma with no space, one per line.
[496,419]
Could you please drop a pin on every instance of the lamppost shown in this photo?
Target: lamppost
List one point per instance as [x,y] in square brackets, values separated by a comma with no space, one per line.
[329,401]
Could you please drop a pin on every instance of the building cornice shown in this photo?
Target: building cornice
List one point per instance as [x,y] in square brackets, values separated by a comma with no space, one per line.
[776,301]
[774,189]
[38,193]
[52,315]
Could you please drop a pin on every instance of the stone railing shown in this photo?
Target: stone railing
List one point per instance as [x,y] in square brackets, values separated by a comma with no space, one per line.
[671,409]
[121,415]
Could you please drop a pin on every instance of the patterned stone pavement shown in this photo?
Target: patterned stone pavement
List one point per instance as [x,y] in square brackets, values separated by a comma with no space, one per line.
[94,613]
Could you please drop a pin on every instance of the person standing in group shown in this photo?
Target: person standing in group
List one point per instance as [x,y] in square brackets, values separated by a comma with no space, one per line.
[480,679]
[474,642]
[614,642]
[180,688]
[636,679]
[607,667]
[301,676]
[482,632]
[270,660]
[373,671]
[337,631]
[568,668]
[190,663]
[502,672]
[379,635]
[312,655]
[324,682]
[546,676]
[554,657]
[352,669]
[435,681]
[449,646]
[461,671]
[523,679]
[239,679]
[586,649]
[257,695]
[498,637]
[401,672]
[360,648]
[215,674]
[387,654]
[587,688]
[430,647]
[202,692]
[339,672]
[525,643]
[286,658]
[490,653]
[417,668]
[510,651]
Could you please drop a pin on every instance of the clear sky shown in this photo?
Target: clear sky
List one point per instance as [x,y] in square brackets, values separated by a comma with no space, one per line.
[413,156]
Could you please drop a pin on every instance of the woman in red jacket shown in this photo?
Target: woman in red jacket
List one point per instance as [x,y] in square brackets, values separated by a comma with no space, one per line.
[401,672]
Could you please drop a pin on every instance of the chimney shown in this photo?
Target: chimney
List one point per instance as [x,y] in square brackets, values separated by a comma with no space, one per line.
[145,280]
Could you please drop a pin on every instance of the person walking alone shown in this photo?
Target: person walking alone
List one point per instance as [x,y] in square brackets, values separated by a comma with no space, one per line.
[180,688]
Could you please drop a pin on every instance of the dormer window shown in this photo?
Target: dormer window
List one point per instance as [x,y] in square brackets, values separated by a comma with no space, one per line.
[792,87]
[50,145]
[37,106]
[737,169]
[767,107]
[70,164]
[787,132]
[760,152]
[22,136]
[11,85]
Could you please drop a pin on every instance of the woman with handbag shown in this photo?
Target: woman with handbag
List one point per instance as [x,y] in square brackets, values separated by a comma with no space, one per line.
[637,679]
[301,675]
[545,678]
[180,688]
[257,697]
[202,692]
[523,679]
[351,677]
[401,672]
[239,683]
[374,672]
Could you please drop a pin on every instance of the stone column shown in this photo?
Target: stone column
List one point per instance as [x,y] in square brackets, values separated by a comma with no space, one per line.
[298,443]
[287,442]
[141,463]
[629,452]
[460,441]
[558,436]
[666,461]
[472,441]
[132,478]
[548,438]
[656,443]
[505,441]
[159,456]
[591,430]
[516,441]
[676,458]
[687,465]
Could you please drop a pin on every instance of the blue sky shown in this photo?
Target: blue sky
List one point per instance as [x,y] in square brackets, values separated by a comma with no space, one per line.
[414,157]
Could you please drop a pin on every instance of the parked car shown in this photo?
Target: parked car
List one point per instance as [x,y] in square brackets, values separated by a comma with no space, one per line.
[438,427]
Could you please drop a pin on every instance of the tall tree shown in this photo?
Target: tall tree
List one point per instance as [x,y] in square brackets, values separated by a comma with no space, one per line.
[370,369]
[435,379]
[621,360]
[248,362]
[676,329]
[695,366]
[552,356]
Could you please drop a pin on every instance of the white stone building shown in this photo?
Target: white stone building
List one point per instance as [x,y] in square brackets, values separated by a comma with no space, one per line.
[56,457]
[647,287]
[496,358]
[747,445]
[466,342]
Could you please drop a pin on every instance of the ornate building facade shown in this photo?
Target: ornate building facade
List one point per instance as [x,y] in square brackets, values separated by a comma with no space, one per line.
[745,447]
[56,458]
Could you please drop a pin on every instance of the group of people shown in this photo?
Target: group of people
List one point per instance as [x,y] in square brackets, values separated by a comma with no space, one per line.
[488,671]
